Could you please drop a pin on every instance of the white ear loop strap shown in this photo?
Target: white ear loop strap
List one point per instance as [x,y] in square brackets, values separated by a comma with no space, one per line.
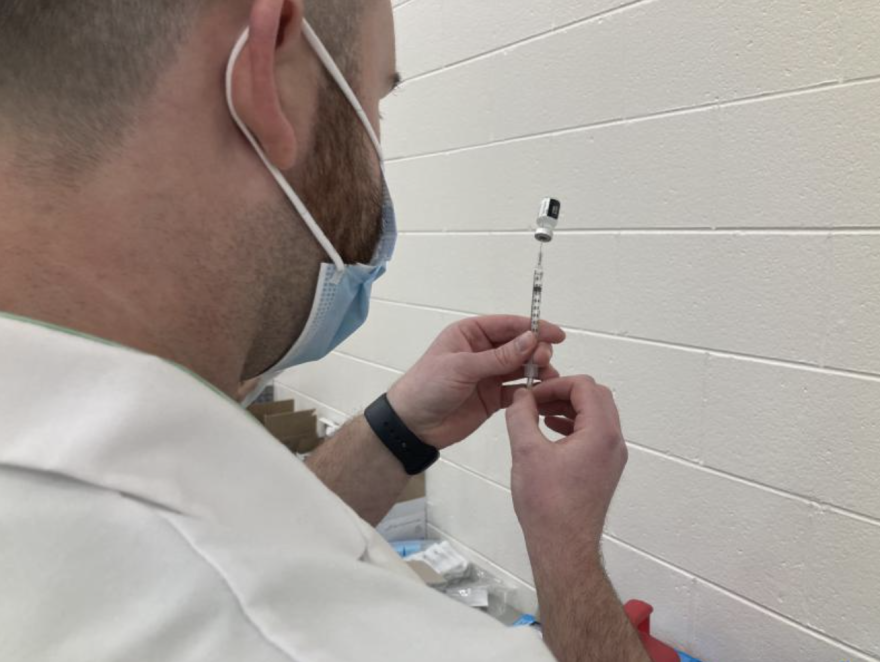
[331,67]
[307,218]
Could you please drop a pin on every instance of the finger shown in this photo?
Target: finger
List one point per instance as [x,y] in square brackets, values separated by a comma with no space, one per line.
[582,392]
[544,374]
[550,333]
[561,425]
[499,361]
[522,425]
[557,408]
[548,373]
[508,394]
[611,409]
[543,355]
[500,329]
[508,391]
[560,389]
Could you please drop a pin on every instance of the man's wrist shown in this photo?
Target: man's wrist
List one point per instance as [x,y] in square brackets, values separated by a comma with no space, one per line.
[378,450]
[414,454]
[409,417]
[564,551]
[359,469]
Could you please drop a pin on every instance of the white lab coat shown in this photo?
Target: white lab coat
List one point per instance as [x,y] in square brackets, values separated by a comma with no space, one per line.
[146,517]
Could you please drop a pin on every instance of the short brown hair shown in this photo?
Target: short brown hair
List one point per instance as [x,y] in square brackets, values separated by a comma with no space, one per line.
[75,69]
[73,72]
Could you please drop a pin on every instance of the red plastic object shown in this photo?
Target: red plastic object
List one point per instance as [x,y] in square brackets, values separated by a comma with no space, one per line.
[639,614]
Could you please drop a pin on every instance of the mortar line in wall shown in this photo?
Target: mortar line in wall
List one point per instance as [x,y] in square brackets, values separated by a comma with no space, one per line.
[549,133]
[632,547]
[688,574]
[653,557]
[849,648]
[564,131]
[809,501]
[474,473]
[869,78]
[784,363]
[372,364]
[855,231]
[838,510]
[401,4]
[562,27]
[748,482]
[751,482]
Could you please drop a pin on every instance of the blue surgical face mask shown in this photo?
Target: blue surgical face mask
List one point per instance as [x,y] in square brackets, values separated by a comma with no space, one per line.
[342,299]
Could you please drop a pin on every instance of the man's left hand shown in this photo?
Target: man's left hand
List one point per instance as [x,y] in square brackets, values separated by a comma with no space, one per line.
[465,376]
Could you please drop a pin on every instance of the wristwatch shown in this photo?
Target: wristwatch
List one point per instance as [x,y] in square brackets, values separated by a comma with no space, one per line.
[414,454]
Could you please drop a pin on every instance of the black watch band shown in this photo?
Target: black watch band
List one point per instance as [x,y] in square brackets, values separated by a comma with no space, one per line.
[414,454]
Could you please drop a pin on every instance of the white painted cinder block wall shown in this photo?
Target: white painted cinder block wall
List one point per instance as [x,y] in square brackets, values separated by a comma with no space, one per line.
[719,165]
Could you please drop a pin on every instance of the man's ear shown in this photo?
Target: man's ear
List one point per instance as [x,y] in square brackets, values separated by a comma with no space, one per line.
[257,99]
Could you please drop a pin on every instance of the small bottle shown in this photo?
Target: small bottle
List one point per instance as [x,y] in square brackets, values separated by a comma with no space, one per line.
[548,218]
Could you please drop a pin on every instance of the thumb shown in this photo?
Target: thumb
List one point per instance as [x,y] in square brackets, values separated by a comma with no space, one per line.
[522,423]
[501,360]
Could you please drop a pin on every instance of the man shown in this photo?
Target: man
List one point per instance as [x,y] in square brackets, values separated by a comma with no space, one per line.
[176,221]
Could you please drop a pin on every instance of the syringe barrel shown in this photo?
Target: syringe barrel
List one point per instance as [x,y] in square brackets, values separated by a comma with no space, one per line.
[537,290]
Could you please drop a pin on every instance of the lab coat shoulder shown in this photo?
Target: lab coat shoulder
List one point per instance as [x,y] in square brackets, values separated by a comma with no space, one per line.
[93,575]
[145,517]
[90,575]
[332,607]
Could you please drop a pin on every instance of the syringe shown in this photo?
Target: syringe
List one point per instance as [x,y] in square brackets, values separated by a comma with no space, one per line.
[537,289]
[548,217]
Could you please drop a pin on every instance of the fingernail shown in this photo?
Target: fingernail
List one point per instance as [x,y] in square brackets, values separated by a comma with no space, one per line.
[524,342]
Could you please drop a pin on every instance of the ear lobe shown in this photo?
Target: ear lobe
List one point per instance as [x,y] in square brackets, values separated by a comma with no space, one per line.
[258,102]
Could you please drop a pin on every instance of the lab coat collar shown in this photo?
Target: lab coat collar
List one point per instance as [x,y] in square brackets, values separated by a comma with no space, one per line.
[133,423]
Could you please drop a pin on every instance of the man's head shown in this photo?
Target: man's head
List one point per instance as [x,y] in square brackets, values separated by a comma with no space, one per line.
[115,141]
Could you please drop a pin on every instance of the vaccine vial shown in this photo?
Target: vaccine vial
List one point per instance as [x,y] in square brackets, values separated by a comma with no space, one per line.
[548,218]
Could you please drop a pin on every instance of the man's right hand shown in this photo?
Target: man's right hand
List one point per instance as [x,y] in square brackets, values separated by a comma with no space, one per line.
[561,493]
[562,490]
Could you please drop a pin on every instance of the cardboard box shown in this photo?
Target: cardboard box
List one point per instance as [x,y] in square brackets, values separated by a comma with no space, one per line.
[297,430]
